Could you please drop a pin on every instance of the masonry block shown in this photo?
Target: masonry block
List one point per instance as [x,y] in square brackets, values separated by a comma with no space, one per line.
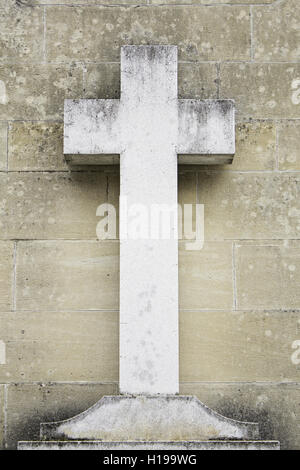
[262,91]
[36,342]
[288,145]
[244,346]
[36,146]
[39,205]
[6,275]
[23,99]
[224,33]
[268,275]
[30,404]
[276,32]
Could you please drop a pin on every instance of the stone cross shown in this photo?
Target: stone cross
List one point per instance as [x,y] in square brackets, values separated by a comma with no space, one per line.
[149,127]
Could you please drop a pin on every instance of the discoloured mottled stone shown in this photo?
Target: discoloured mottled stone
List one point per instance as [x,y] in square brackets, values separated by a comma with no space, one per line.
[21,33]
[99,2]
[36,342]
[268,275]
[245,205]
[101,81]
[206,128]
[29,405]
[3,146]
[152,418]
[212,2]
[288,145]
[88,2]
[95,127]
[2,405]
[275,407]
[195,81]
[187,189]
[205,277]
[6,273]
[51,205]
[36,146]
[21,98]
[228,346]
[262,90]
[65,275]
[277,32]
[148,445]
[255,147]
[187,194]
[96,33]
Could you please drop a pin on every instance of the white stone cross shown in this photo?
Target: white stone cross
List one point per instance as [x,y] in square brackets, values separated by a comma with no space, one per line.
[149,127]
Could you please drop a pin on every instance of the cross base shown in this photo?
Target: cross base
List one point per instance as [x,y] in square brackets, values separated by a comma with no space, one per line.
[149,422]
[144,445]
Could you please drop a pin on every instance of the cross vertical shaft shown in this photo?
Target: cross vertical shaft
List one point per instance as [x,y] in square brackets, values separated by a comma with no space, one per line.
[148,267]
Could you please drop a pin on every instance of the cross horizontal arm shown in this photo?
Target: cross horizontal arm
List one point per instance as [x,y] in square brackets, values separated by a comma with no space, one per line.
[92,127]
[206,128]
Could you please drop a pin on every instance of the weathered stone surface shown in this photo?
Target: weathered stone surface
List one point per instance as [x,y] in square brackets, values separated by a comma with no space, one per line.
[36,342]
[51,205]
[268,275]
[197,123]
[195,81]
[101,81]
[275,407]
[212,2]
[21,98]
[239,346]
[255,146]
[21,33]
[149,418]
[99,2]
[147,445]
[288,145]
[262,90]
[120,124]
[36,146]
[224,33]
[6,274]
[276,32]
[68,275]
[93,268]
[187,191]
[250,205]
[89,2]
[29,405]
[96,127]
[205,277]
[3,146]
[2,405]
[187,194]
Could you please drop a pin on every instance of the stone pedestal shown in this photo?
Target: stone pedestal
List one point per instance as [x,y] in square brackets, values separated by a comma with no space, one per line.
[142,445]
[167,422]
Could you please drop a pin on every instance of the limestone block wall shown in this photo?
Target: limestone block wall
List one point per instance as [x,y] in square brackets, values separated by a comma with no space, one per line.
[239,296]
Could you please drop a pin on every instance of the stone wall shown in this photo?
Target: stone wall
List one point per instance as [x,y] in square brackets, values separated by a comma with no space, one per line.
[239,296]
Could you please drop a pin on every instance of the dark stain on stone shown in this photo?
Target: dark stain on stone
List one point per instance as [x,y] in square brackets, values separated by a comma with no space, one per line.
[23,3]
[243,412]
